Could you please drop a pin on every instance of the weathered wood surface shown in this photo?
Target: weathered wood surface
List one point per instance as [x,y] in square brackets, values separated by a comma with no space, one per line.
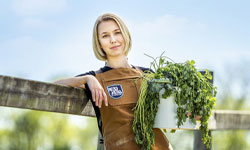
[230,120]
[29,94]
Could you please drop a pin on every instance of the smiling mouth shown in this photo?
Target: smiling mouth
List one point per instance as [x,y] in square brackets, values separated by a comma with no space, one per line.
[115,47]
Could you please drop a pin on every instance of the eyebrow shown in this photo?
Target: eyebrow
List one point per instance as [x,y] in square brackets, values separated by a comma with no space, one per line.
[106,32]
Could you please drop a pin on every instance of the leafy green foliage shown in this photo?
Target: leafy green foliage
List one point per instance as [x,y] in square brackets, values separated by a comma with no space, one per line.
[192,91]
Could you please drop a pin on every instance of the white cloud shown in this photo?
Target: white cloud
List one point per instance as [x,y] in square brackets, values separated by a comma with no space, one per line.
[173,34]
[74,53]
[160,28]
[35,23]
[23,56]
[182,39]
[38,7]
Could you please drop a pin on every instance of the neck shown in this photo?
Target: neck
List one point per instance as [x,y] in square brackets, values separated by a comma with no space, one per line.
[120,62]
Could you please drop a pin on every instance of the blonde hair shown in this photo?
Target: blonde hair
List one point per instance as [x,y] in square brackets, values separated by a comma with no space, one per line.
[99,52]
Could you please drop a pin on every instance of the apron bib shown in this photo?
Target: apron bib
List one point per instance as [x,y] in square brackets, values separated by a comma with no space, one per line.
[122,87]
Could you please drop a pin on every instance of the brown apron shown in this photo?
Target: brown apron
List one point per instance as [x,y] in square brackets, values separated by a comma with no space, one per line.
[122,86]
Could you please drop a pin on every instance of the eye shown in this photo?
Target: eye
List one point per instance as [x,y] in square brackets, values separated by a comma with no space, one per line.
[104,36]
[118,32]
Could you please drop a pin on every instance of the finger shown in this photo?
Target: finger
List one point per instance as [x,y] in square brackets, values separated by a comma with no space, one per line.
[100,99]
[97,98]
[105,98]
[93,95]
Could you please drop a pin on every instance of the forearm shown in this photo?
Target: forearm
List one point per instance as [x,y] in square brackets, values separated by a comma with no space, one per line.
[74,81]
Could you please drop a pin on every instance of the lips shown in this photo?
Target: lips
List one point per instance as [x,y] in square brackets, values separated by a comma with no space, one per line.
[115,47]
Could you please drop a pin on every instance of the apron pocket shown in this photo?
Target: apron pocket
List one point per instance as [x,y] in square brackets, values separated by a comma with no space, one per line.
[121,92]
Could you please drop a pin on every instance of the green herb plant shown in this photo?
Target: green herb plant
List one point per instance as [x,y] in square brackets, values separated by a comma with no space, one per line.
[192,93]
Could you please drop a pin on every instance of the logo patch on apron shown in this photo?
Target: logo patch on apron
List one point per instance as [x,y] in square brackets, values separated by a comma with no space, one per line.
[115,91]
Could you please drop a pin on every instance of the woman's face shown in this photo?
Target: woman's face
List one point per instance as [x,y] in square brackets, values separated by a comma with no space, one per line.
[111,39]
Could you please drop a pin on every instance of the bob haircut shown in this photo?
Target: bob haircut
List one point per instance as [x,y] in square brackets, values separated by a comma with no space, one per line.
[99,52]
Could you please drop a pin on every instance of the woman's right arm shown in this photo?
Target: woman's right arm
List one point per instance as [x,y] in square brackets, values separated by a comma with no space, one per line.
[97,92]
[74,81]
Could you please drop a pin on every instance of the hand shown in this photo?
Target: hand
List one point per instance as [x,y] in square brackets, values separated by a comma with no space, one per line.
[98,94]
[196,117]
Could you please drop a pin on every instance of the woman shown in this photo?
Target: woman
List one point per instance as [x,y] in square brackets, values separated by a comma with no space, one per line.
[113,89]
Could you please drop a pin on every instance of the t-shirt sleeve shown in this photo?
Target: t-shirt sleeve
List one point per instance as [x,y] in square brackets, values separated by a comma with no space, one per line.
[146,69]
[86,73]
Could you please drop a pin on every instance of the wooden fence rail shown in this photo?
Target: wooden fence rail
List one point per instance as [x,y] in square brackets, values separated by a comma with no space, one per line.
[29,94]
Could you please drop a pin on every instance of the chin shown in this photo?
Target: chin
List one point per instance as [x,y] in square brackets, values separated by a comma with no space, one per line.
[118,54]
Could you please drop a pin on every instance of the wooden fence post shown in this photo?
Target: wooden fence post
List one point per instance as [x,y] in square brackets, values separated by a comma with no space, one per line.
[198,143]
[100,144]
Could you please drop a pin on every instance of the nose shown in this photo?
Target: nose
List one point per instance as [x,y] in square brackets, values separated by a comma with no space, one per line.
[112,39]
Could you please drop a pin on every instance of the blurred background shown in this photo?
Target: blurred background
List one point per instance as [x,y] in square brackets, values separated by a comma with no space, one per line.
[46,40]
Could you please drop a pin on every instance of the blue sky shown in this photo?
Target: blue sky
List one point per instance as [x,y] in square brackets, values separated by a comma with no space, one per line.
[40,39]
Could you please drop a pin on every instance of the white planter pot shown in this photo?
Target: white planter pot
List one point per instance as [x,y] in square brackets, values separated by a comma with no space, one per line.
[166,115]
